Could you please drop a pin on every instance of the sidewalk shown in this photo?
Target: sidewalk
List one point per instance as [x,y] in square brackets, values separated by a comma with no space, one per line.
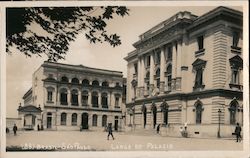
[97,141]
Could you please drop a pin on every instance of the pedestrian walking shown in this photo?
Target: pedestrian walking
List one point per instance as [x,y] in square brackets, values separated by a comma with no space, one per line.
[38,127]
[110,132]
[158,128]
[237,132]
[14,129]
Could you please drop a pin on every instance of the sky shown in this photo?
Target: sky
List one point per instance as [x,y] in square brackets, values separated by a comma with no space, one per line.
[19,68]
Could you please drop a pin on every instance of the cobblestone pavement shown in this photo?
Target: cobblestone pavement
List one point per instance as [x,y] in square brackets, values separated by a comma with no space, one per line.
[92,140]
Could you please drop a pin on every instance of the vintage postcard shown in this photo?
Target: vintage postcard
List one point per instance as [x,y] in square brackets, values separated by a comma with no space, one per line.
[125,79]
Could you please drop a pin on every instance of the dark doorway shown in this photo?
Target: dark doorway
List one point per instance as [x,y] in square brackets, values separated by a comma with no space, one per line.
[116,123]
[145,117]
[49,121]
[85,119]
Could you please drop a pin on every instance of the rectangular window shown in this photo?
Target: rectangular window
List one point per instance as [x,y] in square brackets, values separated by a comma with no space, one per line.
[198,78]
[236,38]
[116,101]
[136,68]
[170,52]
[50,94]
[200,41]
[235,77]
[148,61]
[158,57]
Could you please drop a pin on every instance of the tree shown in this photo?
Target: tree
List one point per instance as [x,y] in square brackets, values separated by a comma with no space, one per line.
[56,27]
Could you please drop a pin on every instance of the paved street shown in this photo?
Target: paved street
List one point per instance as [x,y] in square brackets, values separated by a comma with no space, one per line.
[90,140]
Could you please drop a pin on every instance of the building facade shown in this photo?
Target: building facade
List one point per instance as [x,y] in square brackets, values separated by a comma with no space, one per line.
[73,97]
[187,70]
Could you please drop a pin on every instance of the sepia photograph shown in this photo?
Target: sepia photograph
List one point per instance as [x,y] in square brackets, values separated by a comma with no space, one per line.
[125,78]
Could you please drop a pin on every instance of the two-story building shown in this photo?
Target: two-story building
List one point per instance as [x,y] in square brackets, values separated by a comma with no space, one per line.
[73,97]
[187,70]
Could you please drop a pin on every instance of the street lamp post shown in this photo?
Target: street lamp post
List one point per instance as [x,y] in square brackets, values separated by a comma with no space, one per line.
[134,84]
[218,134]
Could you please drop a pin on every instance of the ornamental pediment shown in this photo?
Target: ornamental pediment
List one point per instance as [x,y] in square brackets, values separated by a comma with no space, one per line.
[199,62]
[236,61]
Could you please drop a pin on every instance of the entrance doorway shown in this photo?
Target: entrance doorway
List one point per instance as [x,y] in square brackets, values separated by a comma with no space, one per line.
[49,120]
[85,120]
[116,123]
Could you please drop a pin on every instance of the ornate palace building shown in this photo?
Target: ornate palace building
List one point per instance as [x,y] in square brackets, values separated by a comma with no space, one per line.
[73,97]
[187,70]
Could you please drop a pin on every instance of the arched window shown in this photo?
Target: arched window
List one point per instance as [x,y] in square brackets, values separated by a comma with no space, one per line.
[74,119]
[85,97]
[233,110]
[199,66]
[157,78]
[104,100]
[94,120]
[63,118]
[117,99]
[85,82]
[75,80]
[94,99]
[105,84]
[50,91]
[74,97]
[64,79]
[104,120]
[95,83]
[198,110]
[169,77]
[63,96]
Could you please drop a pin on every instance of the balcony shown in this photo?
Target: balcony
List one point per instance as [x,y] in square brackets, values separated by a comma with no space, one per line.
[105,106]
[167,89]
[236,86]
[199,52]
[146,93]
[235,49]
[64,103]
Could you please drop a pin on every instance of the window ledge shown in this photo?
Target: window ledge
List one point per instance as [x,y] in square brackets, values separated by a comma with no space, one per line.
[117,107]
[199,52]
[198,88]
[235,86]
[64,103]
[50,102]
[235,49]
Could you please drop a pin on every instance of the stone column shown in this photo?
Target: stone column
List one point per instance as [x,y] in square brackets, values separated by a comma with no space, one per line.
[142,76]
[110,101]
[68,121]
[79,98]
[58,102]
[162,71]
[174,65]
[178,67]
[99,100]
[151,77]
[69,97]
[138,94]
[79,119]
[89,99]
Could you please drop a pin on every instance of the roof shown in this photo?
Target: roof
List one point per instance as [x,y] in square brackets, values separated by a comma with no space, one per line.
[80,68]
[29,108]
[29,92]
[192,23]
